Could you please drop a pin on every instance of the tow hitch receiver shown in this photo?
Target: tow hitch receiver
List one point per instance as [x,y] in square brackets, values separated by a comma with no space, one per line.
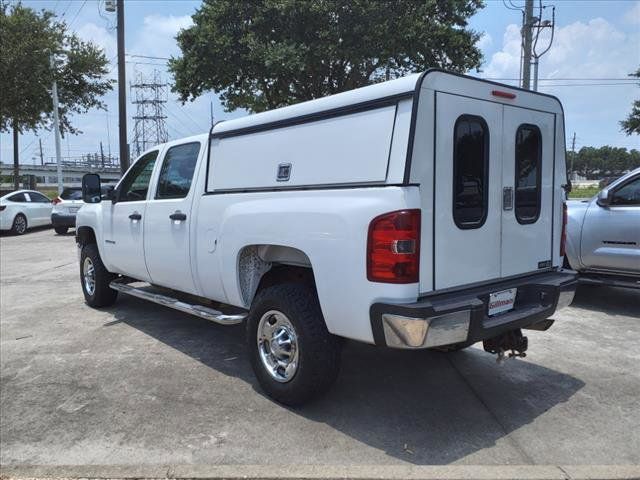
[512,342]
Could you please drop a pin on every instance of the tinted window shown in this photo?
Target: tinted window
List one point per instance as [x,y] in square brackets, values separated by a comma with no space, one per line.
[177,171]
[470,171]
[528,173]
[628,194]
[71,194]
[39,198]
[18,197]
[135,185]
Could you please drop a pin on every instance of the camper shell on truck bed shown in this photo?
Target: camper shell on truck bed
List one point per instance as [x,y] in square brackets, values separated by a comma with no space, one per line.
[421,212]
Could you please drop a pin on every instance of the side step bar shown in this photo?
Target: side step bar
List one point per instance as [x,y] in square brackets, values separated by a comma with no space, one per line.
[145,291]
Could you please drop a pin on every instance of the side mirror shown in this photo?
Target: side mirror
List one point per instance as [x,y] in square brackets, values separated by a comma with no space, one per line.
[91,192]
[604,197]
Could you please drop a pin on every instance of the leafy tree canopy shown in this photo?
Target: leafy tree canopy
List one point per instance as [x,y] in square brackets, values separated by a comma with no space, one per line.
[632,123]
[265,54]
[28,38]
[596,162]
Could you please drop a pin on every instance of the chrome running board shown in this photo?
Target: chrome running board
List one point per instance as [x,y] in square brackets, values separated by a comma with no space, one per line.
[145,291]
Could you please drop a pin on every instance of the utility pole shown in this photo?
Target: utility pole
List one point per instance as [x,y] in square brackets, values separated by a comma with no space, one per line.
[211,105]
[573,155]
[41,156]
[16,159]
[101,154]
[56,126]
[122,92]
[526,44]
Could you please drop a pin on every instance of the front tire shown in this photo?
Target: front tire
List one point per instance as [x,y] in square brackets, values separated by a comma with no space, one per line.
[293,355]
[19,226]
[95,278]
[61,230]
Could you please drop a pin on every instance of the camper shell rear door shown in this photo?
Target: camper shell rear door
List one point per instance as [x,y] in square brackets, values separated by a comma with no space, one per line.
[486,158]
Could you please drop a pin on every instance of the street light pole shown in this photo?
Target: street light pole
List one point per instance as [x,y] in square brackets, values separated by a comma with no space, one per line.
[122,93]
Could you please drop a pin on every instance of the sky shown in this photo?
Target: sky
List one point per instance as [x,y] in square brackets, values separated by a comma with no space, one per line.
[596,45]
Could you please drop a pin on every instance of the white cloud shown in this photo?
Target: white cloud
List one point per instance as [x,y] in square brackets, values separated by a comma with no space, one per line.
[592,49]
[100,36]
[633,14]
[485,41]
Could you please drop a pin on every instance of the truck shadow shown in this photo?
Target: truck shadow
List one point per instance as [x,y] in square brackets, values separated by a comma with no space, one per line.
[610,300]
[423,407]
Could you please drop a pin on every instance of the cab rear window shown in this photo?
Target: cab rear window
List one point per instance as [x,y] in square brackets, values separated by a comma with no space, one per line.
[470,171]
[71,194]
[528,173]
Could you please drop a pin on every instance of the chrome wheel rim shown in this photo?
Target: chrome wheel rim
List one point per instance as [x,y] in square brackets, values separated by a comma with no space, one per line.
[278,346]
[89,275]
[20,224]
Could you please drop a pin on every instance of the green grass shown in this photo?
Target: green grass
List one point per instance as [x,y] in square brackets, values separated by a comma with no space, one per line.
[586,192]
[49,192]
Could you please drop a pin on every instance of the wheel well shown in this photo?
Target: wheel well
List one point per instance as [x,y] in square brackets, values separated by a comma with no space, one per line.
[85,236]
[261,266]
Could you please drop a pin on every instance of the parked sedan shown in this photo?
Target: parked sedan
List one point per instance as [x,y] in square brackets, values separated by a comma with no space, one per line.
[24,209]
[603,234]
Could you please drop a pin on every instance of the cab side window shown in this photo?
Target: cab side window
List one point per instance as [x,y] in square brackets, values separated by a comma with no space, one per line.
[628,194]
[135,185]
[177,171]
[528,173]
[470,171]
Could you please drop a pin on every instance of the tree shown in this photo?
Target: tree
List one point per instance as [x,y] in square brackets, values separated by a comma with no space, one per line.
[632,123]
[29,39]
[265,54]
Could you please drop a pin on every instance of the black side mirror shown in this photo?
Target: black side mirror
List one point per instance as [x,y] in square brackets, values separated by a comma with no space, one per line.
[91,192]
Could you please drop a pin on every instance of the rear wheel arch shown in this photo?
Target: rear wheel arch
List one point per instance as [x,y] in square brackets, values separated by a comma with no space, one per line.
[265,265]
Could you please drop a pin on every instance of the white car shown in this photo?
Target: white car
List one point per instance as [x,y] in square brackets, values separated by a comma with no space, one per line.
[65,207]
[24,209]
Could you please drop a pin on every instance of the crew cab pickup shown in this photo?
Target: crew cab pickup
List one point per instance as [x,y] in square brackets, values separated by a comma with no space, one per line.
[423,212]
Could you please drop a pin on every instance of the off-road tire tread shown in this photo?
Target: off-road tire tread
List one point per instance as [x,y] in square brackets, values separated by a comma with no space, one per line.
[103,296]
[320,351]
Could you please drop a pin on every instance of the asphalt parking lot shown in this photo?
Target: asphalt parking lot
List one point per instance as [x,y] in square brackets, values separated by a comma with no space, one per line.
[139,384]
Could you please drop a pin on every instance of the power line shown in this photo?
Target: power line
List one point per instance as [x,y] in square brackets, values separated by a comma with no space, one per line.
[77,13]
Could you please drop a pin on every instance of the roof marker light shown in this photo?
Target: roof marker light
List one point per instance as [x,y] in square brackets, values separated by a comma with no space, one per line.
[500,93]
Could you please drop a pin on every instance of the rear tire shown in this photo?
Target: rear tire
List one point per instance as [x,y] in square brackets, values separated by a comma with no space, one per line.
[19,226]
[61,230]
[293,355]
[95,278]
[456,347]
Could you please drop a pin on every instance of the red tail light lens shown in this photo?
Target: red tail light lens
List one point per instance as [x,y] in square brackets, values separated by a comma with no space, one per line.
[56,200]
[393,247]
[563,237]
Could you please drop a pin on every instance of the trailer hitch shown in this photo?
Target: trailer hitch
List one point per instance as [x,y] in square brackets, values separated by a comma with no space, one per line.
[510,344]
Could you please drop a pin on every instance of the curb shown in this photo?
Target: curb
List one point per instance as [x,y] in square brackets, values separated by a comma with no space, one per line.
[322,472]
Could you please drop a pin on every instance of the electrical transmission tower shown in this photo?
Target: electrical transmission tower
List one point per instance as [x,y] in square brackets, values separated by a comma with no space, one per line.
[149,95]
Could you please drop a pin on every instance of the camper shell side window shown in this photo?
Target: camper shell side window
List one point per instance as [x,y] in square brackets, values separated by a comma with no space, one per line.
[470,171]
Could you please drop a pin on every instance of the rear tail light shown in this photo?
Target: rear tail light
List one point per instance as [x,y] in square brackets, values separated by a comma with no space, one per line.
[563,237]
[56,200]
[2,207]
[393,247]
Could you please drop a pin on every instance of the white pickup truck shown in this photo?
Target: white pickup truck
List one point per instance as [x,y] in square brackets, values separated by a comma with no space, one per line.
[421,212]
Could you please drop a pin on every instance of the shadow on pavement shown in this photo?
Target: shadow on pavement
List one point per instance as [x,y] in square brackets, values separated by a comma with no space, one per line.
[424,407]
[610,300]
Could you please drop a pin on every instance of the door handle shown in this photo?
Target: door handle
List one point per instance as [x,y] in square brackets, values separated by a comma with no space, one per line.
[135,216]
[178,216]
[507,198]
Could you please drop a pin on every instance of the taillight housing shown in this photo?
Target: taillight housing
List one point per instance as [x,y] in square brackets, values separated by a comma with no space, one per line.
[56,200]
[393,247]
[563,237]
[2,207]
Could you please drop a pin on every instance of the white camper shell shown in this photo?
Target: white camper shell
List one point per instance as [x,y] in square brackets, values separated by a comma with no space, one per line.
[421,212]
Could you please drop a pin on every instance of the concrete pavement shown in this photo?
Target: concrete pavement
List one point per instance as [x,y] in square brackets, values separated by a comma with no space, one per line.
[141,386]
